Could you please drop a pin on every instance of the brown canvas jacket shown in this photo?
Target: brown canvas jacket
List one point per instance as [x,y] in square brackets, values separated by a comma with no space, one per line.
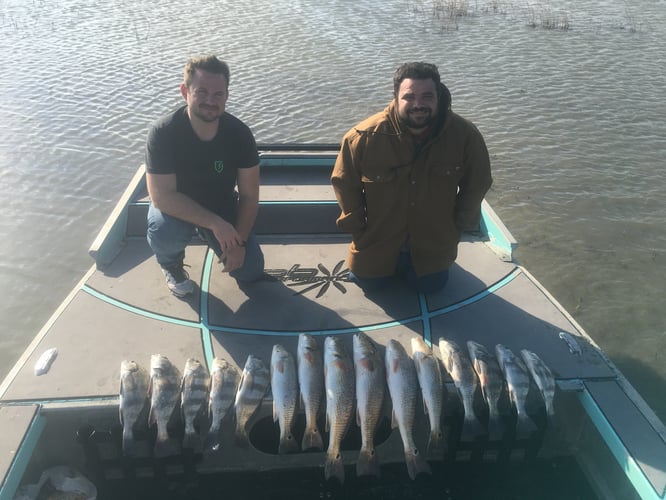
[389,194]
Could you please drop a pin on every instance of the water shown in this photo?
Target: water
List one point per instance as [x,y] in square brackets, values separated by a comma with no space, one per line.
[573,118]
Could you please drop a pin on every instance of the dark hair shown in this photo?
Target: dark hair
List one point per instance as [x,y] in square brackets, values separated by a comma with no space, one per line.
[206,63]
[415,71]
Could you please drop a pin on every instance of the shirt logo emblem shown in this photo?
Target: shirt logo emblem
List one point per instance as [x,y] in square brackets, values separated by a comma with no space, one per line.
[219,166]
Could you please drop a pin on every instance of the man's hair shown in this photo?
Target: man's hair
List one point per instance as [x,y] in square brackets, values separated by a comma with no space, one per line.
[206,63]
[415,71]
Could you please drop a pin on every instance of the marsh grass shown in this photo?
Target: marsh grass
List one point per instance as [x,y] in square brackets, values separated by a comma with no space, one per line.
[543,16]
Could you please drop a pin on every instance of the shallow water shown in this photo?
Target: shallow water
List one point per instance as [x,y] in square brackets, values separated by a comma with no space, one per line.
[573,118]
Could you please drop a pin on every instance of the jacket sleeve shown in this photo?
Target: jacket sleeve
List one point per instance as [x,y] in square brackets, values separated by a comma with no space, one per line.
[475,183]
[348,187]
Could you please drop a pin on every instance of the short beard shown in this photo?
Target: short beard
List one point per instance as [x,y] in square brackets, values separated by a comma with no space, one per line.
[205,118]
[409,123]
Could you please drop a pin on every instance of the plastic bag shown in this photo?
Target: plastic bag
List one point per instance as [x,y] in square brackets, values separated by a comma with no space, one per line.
[59,483]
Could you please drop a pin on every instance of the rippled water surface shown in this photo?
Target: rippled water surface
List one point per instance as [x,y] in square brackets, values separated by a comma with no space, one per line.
[569,95]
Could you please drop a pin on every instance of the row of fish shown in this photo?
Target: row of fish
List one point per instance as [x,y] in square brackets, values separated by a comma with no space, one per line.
[340,383]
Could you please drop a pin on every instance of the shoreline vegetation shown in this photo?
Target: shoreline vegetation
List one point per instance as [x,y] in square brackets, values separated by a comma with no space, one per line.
[449,14]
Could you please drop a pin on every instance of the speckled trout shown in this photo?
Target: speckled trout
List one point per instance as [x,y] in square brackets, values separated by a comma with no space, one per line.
[459,366]
[403,387]
[544,380]
[518,382]
[492,385]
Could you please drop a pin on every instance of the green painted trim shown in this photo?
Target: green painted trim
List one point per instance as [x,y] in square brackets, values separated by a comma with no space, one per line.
[22,458]
[631,469]
[205,331]
[136,310]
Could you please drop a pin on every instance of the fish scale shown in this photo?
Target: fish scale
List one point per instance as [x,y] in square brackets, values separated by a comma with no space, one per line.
[224,379]
[284,385]
[194,394]
[252,388]
[310,363]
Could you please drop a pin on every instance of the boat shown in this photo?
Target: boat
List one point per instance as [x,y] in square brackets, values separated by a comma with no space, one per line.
[121,309]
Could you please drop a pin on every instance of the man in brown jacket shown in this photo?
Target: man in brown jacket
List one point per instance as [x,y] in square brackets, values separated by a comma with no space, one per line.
[409,181]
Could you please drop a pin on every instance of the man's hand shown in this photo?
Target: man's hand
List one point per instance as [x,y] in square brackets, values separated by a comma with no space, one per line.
[226,235]
[233,258]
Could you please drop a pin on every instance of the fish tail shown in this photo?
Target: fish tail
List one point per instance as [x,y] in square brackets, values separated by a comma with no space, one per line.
[242,439]
[212,440]
[166,448]
[471,427]
[312,440]
[334,468]
[525,426]
[368,463]
[436,444]
[495,428]
[288,444]
[415,464]
[191,440]
[128,441]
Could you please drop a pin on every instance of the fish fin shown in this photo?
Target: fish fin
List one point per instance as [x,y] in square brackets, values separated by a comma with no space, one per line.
[276,415]
[312,440]
[328,424]
[394,422]
[368,463]
[415,464]
[436,445]
[242,439]
[288,444]
[334,468]
[128,441]
[151,416]
[471,428]
[425,406]
[525,426]
[192,441]
[358,417]
[495,428]
[166,448]
[212,440]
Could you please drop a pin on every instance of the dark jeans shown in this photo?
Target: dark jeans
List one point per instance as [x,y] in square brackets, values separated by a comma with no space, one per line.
[428,283]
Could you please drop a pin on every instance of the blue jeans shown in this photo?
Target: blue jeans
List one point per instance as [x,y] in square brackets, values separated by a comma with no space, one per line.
[168,237]
[428,283]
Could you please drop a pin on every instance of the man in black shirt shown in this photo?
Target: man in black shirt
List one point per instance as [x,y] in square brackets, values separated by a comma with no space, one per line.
[195,158]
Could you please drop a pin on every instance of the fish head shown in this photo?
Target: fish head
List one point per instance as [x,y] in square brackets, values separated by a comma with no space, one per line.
[159,363]
[419,345]
[128,366]
[363,344]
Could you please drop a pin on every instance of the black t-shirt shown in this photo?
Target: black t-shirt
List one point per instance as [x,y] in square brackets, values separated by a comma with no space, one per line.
[206,171]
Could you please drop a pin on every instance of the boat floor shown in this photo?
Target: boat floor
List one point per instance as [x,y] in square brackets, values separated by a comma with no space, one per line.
[123,310]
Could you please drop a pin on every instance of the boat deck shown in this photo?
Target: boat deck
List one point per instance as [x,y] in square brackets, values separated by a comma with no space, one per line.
[123,310]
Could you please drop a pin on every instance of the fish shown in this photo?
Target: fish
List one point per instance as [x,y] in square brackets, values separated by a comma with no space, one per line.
[284,383]
[432,386]
[310,365]
[194,394]
[164,396]
[370,389]
[134,381]
[460,368]
[340,394]
[492,385]
[252,388]
[518,382]
[403,387]
[224,378]
[544,380]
